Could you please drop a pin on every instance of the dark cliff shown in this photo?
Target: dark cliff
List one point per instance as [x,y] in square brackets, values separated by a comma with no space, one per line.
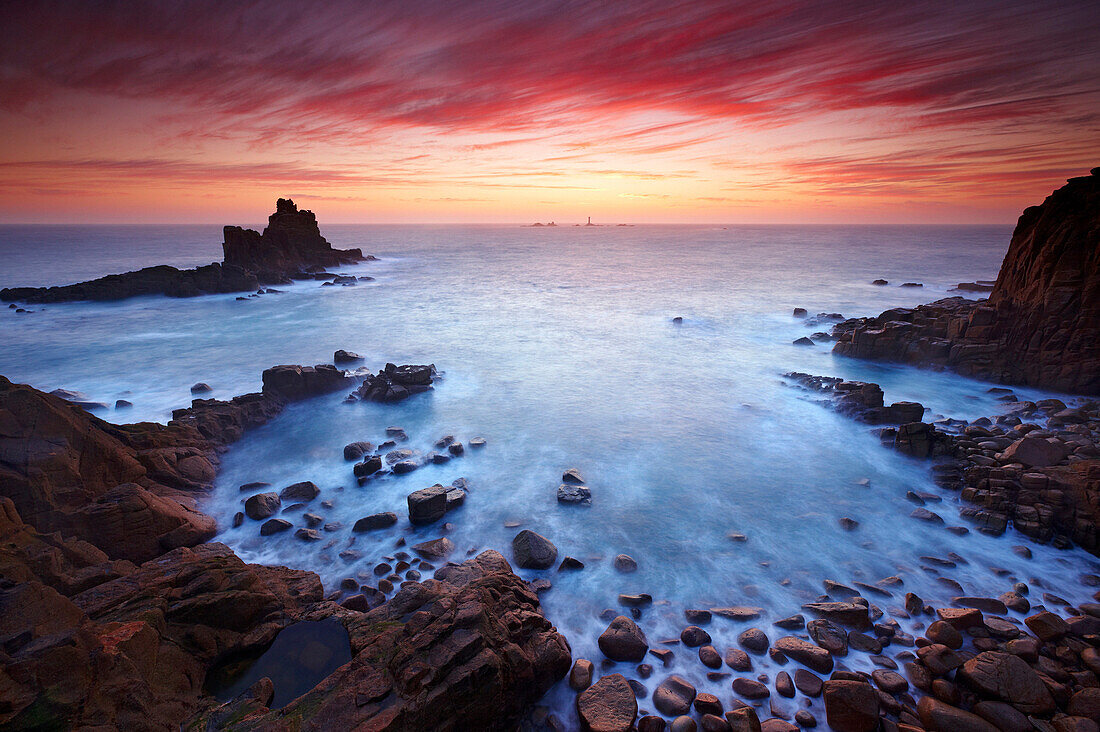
[1041,324]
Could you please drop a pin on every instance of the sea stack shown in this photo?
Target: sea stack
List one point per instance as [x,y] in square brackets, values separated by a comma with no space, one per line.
[291,242]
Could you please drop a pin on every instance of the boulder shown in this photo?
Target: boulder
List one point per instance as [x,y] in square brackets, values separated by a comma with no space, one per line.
[623,640]
[375,521]
[1007,678]
[576,494]
[533,551]
[674,696]
[342,356]
[608,705]
[427,505]
[851,706]
[1035,452]
[300,492]
[807,654]
[938,716]
[356,450]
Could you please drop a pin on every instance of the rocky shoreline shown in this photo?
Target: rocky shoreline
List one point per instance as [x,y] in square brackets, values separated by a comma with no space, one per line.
[116,611]
[1039,327]
[291,247]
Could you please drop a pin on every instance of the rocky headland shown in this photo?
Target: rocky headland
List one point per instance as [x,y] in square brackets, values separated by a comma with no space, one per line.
[291,247]
[1041,324]
[116,613]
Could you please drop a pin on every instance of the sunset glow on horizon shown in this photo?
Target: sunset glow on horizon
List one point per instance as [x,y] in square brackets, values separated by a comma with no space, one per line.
[637,112]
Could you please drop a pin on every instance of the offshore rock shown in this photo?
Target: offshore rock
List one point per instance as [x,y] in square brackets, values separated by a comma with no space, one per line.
[292,242]
[395,383]
[290,245]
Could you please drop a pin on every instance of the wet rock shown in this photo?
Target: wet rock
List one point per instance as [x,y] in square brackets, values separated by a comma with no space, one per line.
[753,640]
[738,660]
[851,706]
[683,723]
[123,404]
[938,715]
[477,442]
[1004,677]
[707,704]
[750,689]
[609,705]
[396,383]
[743,719]
[829,636]
[238,519]
[794,622]
[807,654]
[803,341]
[375,521]
[262,505]
[944,633]
[434,549]
[845,613]
[572,476]
[201,388]
[1085,703]
[939,659]
[427,505]
[308,534]
[274,526]
[923,514]
[342,356]
[784,686]
[405,466]
[533,551]
[370,465]
[674,696]
[1047,626]
[651,723]
[304,491]
[356,450]
[575,494]
[889,681]
[807,682]
[693,636]
[580,676]
[1003,716]
[623,640]
[1035,452]
[570,563]
[709,657]
[737,612]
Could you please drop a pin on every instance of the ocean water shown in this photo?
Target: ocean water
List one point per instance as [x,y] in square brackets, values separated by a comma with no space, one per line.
[558,348]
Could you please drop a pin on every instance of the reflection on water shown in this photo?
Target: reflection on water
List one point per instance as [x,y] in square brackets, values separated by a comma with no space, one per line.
[301,656]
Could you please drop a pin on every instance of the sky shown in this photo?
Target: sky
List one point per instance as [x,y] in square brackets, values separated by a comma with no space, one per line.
[713,111]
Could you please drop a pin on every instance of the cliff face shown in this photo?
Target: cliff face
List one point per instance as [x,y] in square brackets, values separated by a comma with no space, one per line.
[1041,324]
[1047,296]
[291,242]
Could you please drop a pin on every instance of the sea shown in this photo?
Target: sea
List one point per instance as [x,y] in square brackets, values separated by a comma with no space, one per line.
[557,346]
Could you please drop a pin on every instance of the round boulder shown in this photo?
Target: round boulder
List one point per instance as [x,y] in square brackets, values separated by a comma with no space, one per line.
[623,640]
[533,551]
[261,505]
